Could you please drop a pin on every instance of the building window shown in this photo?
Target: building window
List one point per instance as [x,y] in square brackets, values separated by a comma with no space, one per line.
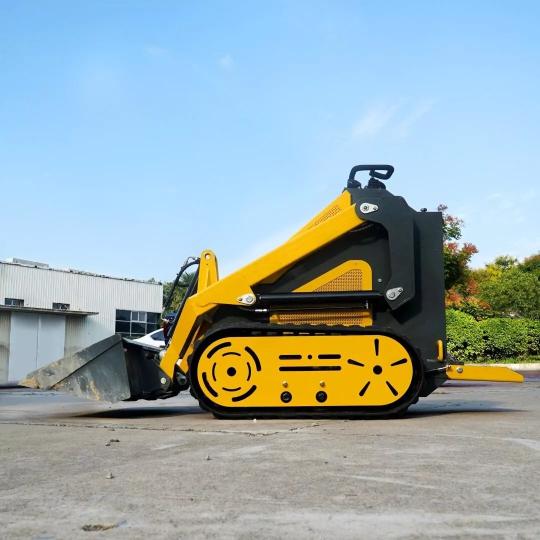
[60,305]
[136,323]
[17,302]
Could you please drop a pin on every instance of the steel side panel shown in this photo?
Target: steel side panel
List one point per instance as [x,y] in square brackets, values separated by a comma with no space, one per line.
[53,373]
[356,370]
[105,378]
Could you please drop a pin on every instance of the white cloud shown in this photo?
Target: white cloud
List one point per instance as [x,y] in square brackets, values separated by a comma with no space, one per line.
[420,110]
[374,120]
[226,62]
[396,119]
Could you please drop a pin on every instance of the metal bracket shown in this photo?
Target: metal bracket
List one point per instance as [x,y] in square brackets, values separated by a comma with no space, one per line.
[392,294]
[437,370]
[247,299]
[367,208]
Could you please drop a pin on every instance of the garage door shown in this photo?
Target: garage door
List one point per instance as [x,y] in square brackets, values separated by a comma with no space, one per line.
[35,340]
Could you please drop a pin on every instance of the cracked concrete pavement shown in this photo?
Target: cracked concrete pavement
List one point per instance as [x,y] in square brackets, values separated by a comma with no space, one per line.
[464,463]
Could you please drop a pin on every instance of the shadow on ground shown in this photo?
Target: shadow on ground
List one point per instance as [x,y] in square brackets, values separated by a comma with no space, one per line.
[418,411]
[456,408]
[144,412]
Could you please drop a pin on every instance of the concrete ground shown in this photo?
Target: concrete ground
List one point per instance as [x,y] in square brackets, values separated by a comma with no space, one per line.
[464,463]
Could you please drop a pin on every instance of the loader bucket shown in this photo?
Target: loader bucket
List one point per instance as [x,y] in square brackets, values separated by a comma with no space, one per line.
[114,369]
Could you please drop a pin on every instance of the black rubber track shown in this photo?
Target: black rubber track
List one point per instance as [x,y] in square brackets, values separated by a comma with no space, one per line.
[260,329]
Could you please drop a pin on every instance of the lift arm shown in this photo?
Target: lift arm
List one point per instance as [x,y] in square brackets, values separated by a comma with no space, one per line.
[236,289]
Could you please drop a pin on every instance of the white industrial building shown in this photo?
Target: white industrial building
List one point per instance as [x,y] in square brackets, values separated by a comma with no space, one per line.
[46,313]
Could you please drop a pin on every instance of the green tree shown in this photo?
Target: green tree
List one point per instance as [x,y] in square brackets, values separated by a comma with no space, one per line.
[531,264]
[456,256]
[512,293]
[179,292]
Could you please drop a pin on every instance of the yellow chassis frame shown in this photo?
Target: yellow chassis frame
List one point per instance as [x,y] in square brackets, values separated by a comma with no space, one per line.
[338,218]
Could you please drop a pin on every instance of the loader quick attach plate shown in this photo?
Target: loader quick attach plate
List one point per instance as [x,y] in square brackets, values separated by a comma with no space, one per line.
[280,373]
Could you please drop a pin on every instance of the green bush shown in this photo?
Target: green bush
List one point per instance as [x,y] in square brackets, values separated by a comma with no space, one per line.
[477,310]
[464,336]
[487,340]
[504,338]
[514,292]
[533,336]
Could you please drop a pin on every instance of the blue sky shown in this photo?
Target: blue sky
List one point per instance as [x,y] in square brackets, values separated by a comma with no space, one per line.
[134,134]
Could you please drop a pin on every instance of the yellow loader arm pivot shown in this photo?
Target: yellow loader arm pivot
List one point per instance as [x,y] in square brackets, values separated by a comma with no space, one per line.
[345,318]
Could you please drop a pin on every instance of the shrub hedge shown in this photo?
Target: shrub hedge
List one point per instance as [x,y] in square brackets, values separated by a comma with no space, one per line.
[470,340]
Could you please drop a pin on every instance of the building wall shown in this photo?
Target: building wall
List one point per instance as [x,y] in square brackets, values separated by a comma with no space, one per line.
[40,287]
[78,334]
[35,339]
[5,319]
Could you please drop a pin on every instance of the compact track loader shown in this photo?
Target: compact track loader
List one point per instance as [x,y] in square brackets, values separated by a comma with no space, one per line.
[346,318]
